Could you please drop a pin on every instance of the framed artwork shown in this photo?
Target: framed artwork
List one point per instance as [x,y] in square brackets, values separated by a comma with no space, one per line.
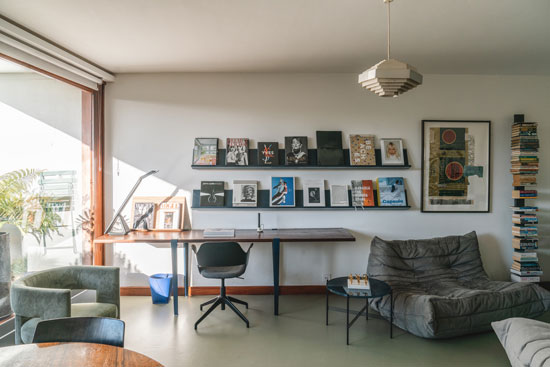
[168,216]
[282,192]
[456,159]
[392,152]
[245,193]
[143,215]
[314,193]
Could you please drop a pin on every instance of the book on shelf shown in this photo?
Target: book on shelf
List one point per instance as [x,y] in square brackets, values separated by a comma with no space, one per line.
[212,193]
[329,148]
[268,153]
[522,259]
[525,209]
[296,152]
[524,194]
[362,193]
[205,151]
[521,279]
[218,232]
[339,195]
[524,244]
[391,191]
[361,150]
[526,272]
[236,153]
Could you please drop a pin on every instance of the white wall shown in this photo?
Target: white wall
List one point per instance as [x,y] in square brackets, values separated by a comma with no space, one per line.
[152,119]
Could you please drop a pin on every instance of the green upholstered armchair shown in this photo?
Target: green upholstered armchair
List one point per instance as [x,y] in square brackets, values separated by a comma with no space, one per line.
[47,295]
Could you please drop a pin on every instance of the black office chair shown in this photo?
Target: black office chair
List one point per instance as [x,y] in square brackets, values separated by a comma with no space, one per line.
[222,260]
[100,330]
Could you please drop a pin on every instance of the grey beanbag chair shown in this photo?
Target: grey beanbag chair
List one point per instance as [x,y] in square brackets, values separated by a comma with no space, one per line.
[440,289]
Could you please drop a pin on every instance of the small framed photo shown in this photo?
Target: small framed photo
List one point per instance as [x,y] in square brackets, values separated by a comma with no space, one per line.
[143,215]
[314,193]
[392,152]
[169,216]
[282,192]
[339,195]
[245,193]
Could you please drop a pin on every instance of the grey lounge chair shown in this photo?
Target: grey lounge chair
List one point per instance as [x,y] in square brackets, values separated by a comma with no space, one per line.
[441,290]
[47,295]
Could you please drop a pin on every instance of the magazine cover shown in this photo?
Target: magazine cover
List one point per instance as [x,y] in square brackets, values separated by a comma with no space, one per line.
[143,216]
[362,193]
[391,191]
[282,192]
[314,192]
[245,193]
[205,152]
[268,154]
[296,150]
[236,152]
[168,216]
[361,150]
[212,193]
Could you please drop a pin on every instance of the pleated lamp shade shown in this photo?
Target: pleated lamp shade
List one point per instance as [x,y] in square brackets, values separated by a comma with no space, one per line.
[390,78]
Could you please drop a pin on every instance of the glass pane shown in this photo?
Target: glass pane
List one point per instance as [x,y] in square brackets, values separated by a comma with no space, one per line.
[42,198]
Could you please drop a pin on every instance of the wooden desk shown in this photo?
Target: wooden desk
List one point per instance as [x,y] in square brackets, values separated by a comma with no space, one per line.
[72,355]
[275,236]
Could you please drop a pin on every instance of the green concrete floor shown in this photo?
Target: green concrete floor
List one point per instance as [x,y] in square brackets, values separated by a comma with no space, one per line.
[297,337]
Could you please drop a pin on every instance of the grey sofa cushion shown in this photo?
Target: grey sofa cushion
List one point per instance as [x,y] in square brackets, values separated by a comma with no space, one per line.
[441,290]
[526,342]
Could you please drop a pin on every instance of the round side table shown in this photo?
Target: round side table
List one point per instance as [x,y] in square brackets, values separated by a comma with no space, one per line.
[378,288]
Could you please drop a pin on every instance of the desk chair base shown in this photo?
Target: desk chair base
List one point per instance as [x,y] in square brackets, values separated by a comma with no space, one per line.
[223,300]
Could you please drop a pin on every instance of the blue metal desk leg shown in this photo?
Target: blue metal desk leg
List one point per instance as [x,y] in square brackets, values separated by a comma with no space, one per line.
[276,251]
[174,247]
[186,269]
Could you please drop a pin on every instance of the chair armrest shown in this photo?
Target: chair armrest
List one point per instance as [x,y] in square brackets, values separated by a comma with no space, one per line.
[104,279]
[46,303]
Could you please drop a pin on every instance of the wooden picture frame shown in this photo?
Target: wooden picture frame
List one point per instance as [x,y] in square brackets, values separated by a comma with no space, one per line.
[456,166]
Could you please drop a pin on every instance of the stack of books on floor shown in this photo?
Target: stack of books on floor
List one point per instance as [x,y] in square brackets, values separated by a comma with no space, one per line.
[525,166]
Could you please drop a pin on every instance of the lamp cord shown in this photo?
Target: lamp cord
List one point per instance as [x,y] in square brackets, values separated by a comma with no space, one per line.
[388,2]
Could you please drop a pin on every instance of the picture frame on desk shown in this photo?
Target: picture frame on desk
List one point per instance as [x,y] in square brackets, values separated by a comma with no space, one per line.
[456,166]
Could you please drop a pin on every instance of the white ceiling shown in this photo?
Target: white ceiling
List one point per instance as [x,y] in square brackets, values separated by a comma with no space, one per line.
[436,36]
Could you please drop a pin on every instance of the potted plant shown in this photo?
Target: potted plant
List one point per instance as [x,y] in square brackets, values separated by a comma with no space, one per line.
[23,209]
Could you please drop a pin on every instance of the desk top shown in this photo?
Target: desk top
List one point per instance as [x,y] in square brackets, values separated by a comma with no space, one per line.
[72,354]
[241,235]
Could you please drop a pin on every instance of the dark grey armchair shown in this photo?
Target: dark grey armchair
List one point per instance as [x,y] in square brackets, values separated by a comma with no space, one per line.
[441,290]
[47,295]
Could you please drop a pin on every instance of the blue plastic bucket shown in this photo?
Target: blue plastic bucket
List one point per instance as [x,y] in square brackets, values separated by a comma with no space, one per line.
[161,287]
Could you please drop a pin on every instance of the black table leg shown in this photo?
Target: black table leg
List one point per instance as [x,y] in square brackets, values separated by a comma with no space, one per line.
[391,314]
[174,247]
[185,269]
[276,251]
[327,305]
[347,320]
[367,308]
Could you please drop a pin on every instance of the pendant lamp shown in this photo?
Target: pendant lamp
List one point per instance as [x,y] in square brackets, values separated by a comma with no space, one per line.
[390,77]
